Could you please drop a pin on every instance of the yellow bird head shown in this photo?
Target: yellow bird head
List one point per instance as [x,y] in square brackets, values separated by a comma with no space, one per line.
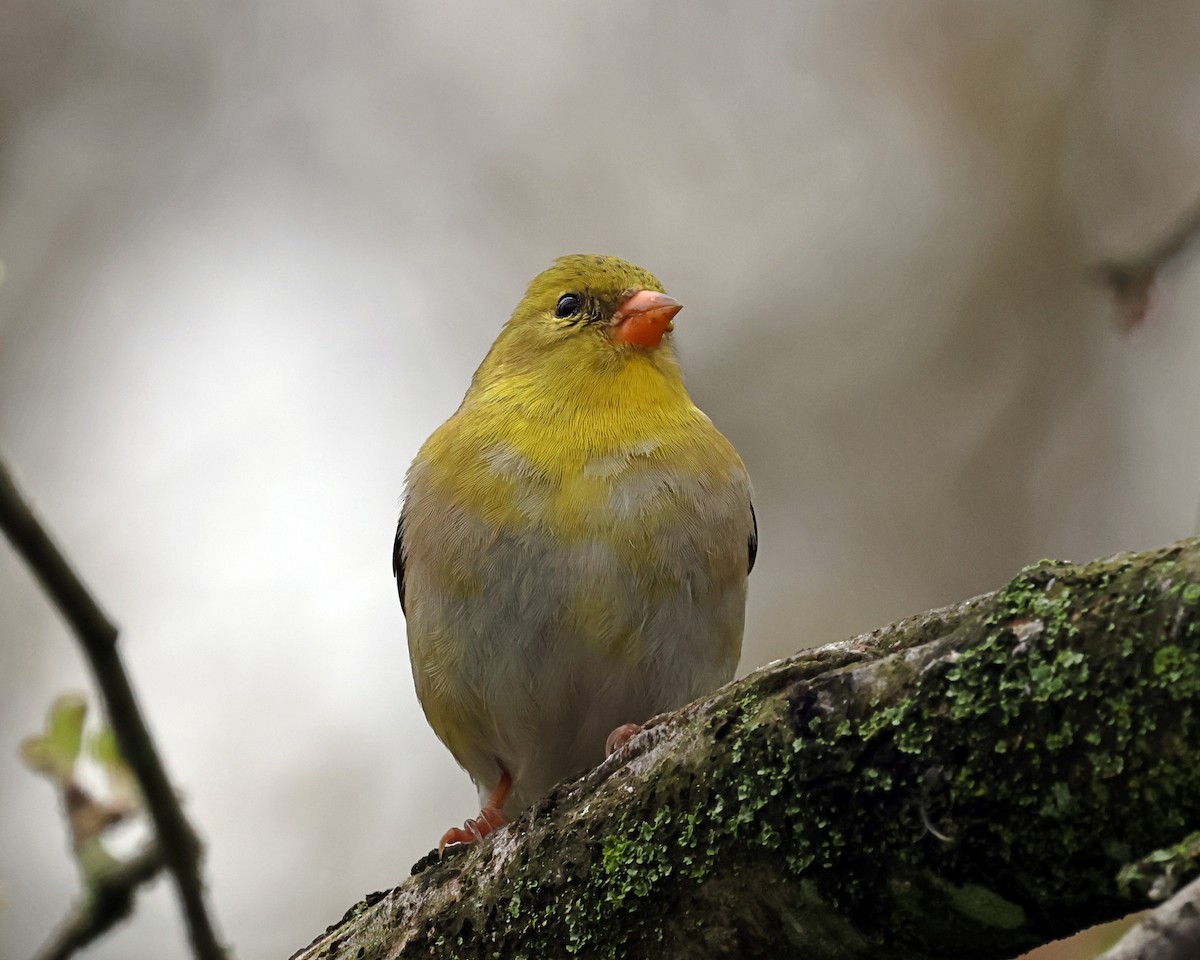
[586,315]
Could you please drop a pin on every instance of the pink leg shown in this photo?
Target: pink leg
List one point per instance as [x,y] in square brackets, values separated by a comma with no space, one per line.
[490,817]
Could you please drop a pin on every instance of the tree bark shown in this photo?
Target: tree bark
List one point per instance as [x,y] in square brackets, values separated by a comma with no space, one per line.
[967,783]
[1170,932]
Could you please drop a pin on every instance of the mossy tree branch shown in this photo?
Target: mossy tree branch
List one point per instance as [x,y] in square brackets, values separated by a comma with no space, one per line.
[964,784]
[1170,932]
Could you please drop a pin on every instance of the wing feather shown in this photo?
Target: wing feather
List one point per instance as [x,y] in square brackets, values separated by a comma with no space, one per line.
[398,559]
[752,545]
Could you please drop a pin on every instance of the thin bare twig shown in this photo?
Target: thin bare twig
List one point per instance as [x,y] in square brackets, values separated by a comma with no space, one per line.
[98,637]
[108,902]
[1170,932]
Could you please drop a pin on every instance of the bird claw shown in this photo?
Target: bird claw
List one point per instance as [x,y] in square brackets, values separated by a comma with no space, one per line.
[475,829]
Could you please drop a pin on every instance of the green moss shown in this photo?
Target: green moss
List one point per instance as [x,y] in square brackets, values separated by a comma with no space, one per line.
[983,906]
[1179,669]
[1159,874]
[997,762]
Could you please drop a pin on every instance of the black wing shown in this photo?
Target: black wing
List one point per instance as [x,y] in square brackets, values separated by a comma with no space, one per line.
[398,559]
[752,546]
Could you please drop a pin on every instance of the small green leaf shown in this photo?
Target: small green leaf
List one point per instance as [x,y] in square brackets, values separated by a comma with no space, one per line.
[103,748]
[54,752]
[65,724]
[123,787]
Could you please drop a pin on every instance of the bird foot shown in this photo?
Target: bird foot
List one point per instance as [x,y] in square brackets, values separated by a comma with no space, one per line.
[490,818]
[621,736]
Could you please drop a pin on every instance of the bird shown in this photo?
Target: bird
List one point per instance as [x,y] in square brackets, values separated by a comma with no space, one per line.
[574,542]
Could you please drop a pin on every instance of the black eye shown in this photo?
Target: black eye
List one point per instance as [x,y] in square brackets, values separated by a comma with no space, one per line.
[568,305]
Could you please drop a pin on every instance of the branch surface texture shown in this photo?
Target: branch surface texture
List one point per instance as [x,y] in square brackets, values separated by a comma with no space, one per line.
[1172,932]
[963,784]
[98,637]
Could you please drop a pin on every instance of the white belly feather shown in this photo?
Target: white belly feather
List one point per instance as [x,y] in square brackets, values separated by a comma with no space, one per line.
[566,640]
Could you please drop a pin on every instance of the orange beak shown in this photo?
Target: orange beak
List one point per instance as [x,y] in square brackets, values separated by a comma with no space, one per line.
[644,318]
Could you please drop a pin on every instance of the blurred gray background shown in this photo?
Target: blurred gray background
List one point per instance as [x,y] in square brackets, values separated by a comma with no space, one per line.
[253,252]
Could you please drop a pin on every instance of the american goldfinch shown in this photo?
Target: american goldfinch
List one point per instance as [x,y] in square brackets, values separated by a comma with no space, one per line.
[574,542]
